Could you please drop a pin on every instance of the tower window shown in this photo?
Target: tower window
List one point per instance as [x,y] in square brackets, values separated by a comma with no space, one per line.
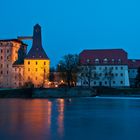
[44,63]
[36,63]
[36,69]
[28,62]
[28,69]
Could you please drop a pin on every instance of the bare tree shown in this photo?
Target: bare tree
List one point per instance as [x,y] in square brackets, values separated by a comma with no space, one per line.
[68,67]
[88,74]
[108,74]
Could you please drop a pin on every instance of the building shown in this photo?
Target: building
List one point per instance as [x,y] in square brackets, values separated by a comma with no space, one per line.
[9,54]
[107,67]
[17,67]
[133,65]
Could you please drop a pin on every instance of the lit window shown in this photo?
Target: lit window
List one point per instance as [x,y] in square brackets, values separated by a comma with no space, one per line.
[113,60]
[119,60]
[96,60]
[105,60]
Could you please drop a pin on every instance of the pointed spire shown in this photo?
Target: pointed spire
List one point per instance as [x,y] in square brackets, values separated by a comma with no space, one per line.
[37,40]
[37,51]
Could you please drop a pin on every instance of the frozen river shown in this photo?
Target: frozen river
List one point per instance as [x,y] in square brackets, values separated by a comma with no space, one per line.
[99,118]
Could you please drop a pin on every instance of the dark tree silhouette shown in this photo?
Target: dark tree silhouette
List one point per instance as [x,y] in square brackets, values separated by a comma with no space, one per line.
[68,68]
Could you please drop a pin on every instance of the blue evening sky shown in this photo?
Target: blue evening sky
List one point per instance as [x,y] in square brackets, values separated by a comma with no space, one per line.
[69,26]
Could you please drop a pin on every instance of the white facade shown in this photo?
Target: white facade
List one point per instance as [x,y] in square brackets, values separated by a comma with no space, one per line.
[119,76]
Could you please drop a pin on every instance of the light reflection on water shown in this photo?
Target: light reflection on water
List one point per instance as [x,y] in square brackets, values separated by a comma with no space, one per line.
[82,118]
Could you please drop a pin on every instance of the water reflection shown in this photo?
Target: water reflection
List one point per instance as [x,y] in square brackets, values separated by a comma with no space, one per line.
[60,116]
[85,118]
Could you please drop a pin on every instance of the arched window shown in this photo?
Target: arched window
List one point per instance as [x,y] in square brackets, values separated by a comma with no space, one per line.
[96,61]
[105,60]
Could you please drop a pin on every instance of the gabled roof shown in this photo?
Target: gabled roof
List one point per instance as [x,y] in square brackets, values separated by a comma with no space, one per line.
[112,55]
[133,63]
[15,40]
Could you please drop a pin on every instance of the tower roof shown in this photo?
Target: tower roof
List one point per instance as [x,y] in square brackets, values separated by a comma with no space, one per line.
[37,51]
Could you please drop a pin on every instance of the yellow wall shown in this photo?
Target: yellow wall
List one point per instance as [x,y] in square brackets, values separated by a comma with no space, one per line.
[35,72]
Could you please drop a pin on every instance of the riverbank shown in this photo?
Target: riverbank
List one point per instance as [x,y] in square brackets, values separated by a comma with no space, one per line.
[68,92]
[47,93]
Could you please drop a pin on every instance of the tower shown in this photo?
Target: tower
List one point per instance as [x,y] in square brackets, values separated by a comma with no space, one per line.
[37,63]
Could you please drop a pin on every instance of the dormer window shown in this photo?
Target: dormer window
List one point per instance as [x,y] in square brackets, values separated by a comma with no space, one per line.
[119,60]
[105,60]
[96,61]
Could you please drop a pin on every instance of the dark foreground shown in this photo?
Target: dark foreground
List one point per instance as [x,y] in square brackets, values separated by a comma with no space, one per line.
[99,118]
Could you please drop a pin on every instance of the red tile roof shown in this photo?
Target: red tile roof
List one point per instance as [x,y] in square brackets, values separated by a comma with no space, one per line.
[113,56]
[133,63]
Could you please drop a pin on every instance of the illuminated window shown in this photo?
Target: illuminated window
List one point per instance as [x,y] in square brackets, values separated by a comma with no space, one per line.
[119,60]
[105,60]
[28,62]
[113,60]
[96,60]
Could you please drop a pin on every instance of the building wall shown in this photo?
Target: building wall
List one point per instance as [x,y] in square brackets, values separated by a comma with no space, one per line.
[18,76]
[120,76]
[8,55]
[36,71]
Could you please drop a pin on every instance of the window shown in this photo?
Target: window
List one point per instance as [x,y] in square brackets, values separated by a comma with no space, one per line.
[116,68]
[15,77]
[7,51]
[121,68]
[28,62]
[36,63]
[113,82]
[19,69]
[105,60]
[121,82]
[105,82]
[96,61]
[28,77]
[36,78]
[44,63]
[1,65]
[7,72]
[94,82]
[1,57]
[15,69]
[113,60]
[28,69]
[1,72]
[36,69]
[1,51]
[116,74]
[121,74]
[119,60]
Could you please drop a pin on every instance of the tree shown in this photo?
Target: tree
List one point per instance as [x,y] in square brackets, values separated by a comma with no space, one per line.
[51,76]
[88,74]
[68,68]
[137,80]
[109,75]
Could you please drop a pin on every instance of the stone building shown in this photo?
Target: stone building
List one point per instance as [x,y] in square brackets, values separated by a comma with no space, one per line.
[107,67]
[17,67]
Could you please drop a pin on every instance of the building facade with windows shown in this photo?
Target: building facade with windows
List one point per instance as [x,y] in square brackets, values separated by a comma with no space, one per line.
[17,67]
[107,67]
